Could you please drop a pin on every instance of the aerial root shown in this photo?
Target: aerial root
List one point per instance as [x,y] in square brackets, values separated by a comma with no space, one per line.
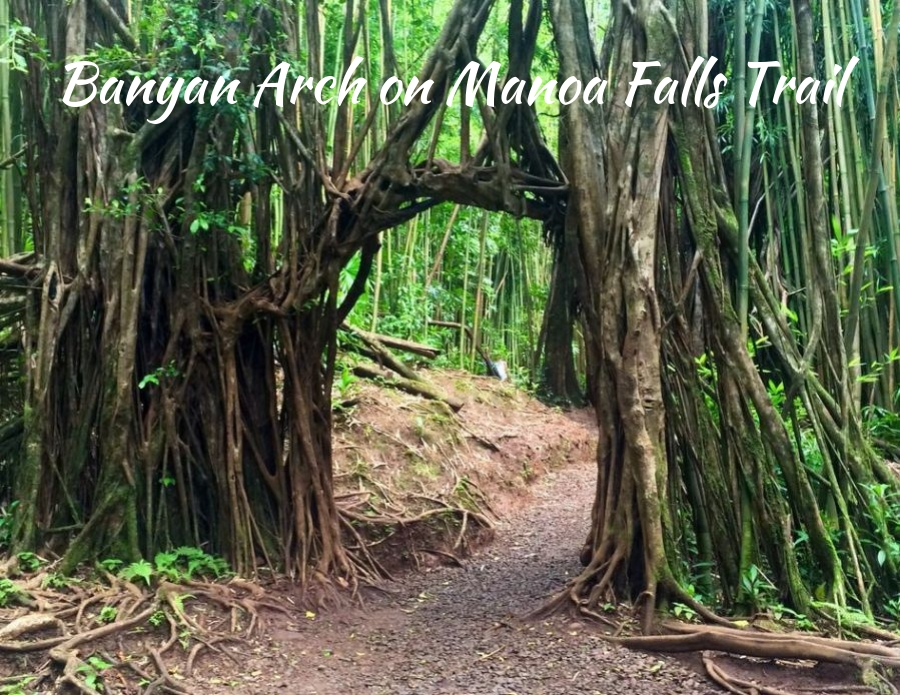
[595,581]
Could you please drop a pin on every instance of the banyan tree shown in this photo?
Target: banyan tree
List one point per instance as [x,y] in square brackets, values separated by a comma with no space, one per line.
[180,309]
[730,449]
[179,306]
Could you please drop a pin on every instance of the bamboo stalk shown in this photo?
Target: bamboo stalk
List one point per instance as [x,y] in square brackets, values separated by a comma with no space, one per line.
[746,149]
[8,235]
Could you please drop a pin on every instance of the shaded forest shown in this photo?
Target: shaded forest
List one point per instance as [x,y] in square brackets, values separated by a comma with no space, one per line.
[178,299]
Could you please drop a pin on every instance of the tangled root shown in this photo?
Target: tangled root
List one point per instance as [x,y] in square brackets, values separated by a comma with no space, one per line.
[80,627]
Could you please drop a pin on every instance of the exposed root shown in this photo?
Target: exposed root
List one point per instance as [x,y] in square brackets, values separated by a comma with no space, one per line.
[211,644]
[78,623]
[33,622]
[571,598]
[368,560]
[869,658]
[736,685]
[767,645]
[676,592]
[462,530]
[373,516]
[441,553]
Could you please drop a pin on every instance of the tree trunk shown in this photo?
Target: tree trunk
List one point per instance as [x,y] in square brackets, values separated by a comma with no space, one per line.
[687,424]
[620,159]
[182,316]
[559,378]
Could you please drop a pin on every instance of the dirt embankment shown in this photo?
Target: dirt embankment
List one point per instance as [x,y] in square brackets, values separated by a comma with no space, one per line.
[457,629]
[425,485]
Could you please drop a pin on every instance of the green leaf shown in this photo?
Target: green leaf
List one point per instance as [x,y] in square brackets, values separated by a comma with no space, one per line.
[149,379]
[138,570]
[165,560]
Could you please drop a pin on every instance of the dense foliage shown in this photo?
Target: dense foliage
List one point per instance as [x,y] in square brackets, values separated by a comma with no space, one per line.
[724,284]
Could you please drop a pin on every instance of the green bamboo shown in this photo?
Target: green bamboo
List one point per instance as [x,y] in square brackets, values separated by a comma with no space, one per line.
[479,288]
[740,73]
[8,236]
[746,150]
[875,181]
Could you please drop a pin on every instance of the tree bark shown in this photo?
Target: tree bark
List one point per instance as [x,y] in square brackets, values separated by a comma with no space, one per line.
[619,159]
[559,378]
[182,306]
[688,424]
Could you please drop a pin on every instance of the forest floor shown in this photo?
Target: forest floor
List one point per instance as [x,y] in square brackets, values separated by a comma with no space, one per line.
[462,630]
[459,630]
[499,495]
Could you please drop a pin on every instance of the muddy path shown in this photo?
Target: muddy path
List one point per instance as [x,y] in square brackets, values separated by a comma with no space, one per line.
[457,630]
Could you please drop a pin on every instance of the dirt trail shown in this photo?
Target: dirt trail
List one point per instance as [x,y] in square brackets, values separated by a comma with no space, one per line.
[456,630]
